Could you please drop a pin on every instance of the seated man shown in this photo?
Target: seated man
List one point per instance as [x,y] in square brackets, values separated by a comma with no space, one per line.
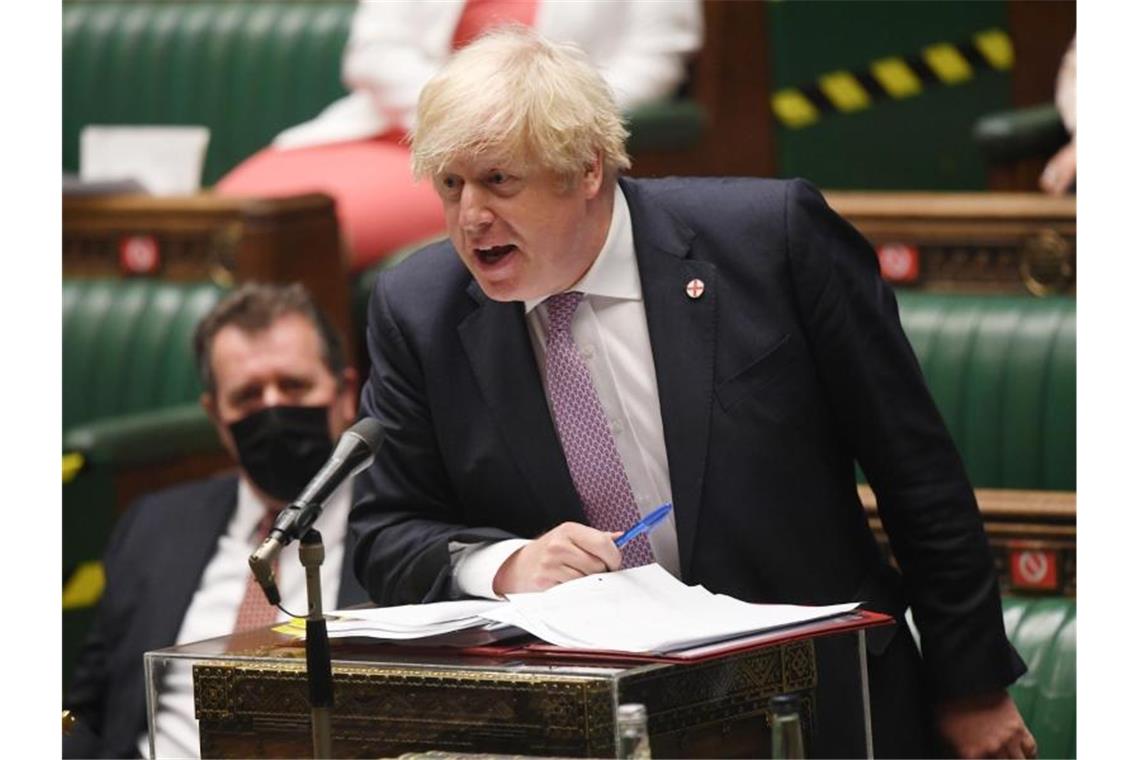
[587,347]
[279,393]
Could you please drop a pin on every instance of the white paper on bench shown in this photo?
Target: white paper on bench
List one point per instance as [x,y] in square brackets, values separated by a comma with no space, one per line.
[645,609]
[412,621]
[642,609]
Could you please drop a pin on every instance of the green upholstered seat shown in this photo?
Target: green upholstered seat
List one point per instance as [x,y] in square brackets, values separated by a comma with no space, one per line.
[246,69]
[130,399]
[1003,372]
[130,388]
[1044,631]
[127,346]
[130,392]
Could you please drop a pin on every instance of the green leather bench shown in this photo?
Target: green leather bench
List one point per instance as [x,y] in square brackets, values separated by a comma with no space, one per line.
[1003,371]
[130,394]
[127,346]
[131,417]
[246,69]
[1044,631]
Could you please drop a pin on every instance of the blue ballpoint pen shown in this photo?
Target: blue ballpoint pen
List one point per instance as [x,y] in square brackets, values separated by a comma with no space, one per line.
[644,525]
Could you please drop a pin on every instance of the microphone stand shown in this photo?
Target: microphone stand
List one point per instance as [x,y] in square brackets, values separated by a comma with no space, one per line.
[318,658]
[354,451]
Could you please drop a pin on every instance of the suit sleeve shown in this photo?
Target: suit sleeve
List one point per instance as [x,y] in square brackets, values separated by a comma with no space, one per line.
[406,514]
[890,422]
[87,697]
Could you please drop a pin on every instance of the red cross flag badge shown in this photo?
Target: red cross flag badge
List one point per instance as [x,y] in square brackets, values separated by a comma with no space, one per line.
[695,288]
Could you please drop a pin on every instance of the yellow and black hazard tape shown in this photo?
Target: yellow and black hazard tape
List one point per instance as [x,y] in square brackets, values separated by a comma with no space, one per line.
[893,78]
[72,464]
[84,587]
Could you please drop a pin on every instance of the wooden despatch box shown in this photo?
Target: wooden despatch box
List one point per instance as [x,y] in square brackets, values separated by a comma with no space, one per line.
[253,700]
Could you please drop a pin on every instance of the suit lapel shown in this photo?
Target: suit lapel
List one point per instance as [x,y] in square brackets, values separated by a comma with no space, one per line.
[172,580]
[682,331]
[502,359]
[205,521]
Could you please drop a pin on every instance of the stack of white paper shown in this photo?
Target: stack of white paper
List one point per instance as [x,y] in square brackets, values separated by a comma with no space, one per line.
[644,610]
[412,621]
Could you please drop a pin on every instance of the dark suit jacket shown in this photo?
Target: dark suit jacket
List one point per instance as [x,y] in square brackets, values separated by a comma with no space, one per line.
[154,560]
[791,367]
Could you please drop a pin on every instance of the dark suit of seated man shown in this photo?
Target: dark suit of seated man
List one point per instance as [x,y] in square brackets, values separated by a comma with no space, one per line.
[586,347]
[279,393]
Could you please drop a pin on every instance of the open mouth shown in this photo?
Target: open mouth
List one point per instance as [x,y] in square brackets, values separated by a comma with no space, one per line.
[494,254]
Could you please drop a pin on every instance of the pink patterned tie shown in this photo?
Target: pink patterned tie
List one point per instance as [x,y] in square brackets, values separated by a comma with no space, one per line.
[591,454]
[255,610]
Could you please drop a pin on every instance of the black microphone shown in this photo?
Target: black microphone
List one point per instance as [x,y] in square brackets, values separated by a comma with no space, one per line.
[353,453]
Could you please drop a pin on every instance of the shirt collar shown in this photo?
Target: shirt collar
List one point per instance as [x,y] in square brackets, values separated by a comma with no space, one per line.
[614,272]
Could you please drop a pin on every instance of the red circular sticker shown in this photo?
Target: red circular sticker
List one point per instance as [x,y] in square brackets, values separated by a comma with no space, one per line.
[1033,566]
[138,254]
[898,262]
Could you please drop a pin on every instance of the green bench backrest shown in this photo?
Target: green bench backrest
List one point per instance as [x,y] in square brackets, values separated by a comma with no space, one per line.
[127,345]
[244,69]
[1003,371]
[1044,632]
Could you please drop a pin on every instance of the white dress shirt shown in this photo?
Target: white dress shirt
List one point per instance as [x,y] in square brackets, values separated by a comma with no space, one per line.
[611,333]
[214,609]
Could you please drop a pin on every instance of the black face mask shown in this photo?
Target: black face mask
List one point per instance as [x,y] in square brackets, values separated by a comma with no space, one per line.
[281,448]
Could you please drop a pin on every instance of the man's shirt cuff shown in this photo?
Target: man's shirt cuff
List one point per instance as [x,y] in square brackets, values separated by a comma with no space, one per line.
[474,566]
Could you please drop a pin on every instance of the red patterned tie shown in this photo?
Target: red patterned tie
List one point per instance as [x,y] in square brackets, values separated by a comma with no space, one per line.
[255,611]
[595,466]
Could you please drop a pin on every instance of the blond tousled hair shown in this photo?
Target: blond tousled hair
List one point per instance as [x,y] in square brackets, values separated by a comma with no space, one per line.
[515,92]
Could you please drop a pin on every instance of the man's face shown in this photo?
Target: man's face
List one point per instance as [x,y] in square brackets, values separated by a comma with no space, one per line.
[523,232]
[278,366]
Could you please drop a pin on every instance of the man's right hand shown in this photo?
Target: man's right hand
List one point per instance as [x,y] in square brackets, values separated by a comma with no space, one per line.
[570,551]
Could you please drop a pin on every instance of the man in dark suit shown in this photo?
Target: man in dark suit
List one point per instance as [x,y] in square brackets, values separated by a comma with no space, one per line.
[279,393]
[586,347]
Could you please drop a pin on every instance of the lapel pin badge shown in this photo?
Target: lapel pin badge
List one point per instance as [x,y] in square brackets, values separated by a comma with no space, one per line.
[695,288]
